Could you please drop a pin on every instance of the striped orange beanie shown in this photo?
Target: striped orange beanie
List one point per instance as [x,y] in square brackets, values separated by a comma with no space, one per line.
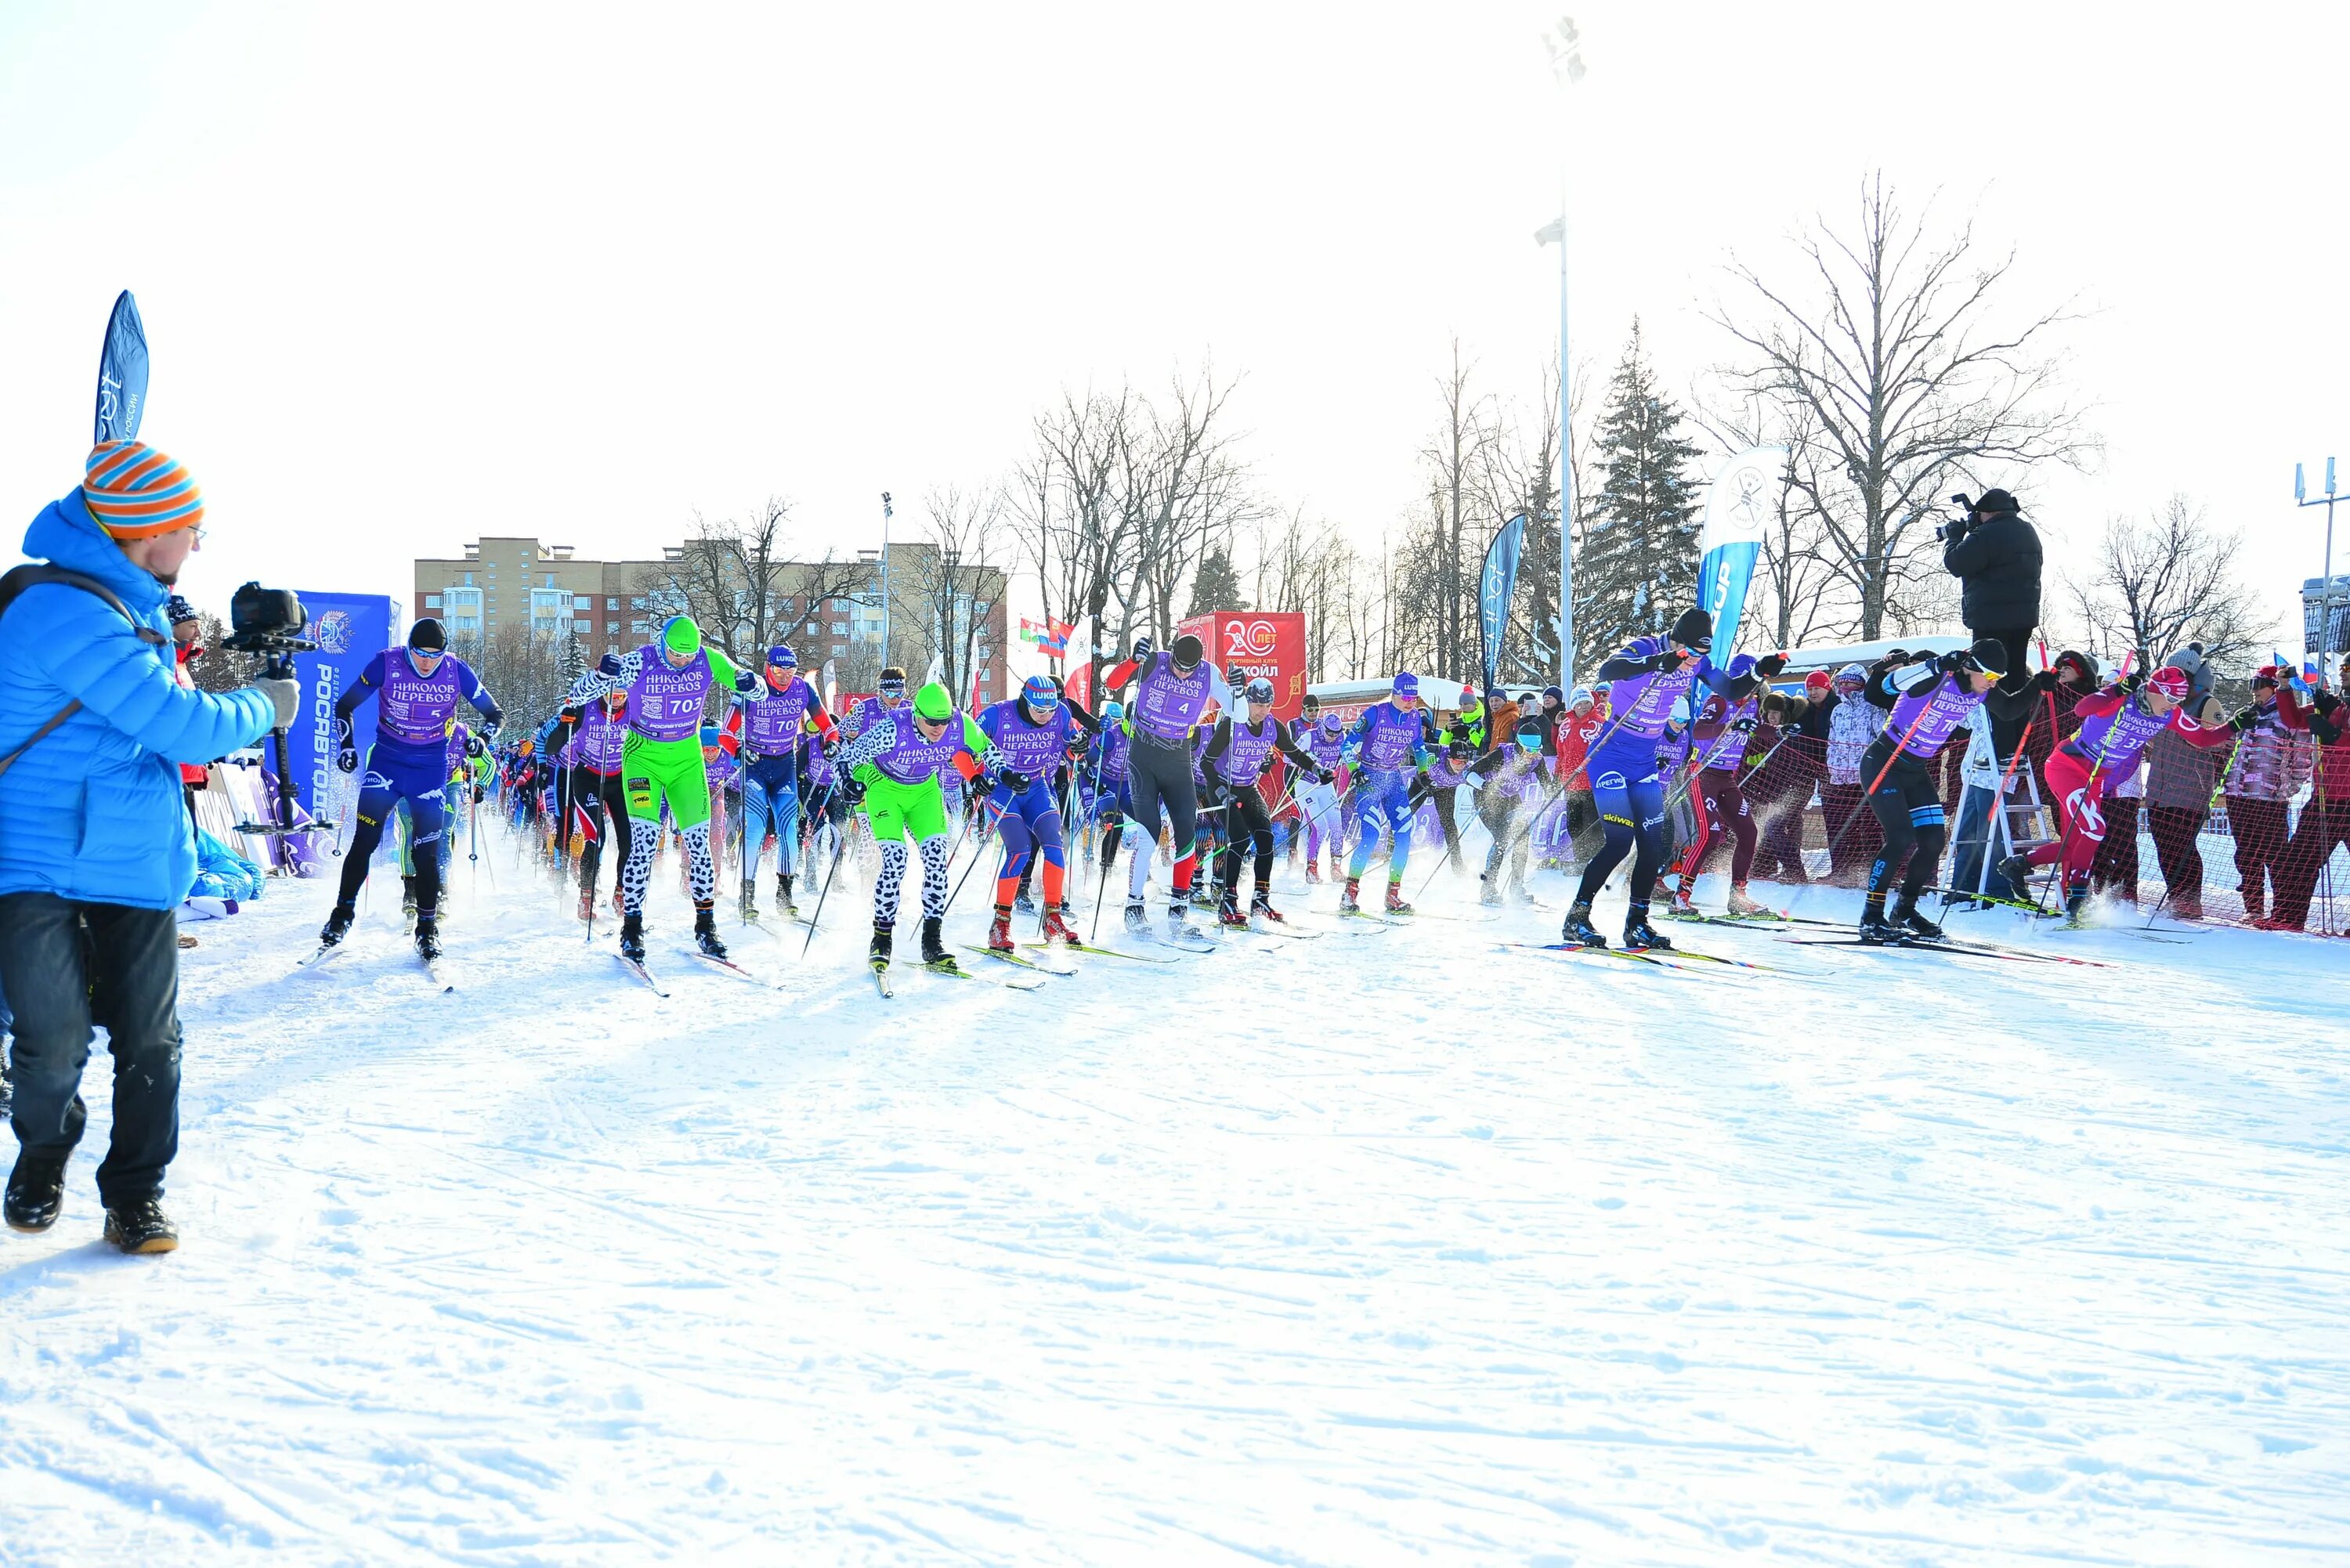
[137,493]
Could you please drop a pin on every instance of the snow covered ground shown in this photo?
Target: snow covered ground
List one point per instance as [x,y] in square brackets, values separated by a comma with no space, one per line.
[1392,1246]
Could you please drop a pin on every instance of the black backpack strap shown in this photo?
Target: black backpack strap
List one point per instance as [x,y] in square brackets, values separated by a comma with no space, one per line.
[32,574]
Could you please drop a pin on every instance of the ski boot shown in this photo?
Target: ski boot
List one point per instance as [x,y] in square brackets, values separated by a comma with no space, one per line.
[1577,929]
[37,1190]
[428,937]
[1024,902]
[586,904]
[1741,907]
[784,904]
[1907,919]
[1138,919]
[1179,915]
[1261,909]
[1490,898]
[705,933]
[1346,900]
[408,897]
[632,936]
[1228,912]
[1679,907]
[142,1227]
[338,926]
[935,955]
[877,955]
[1638,933]
[2018,871]
[619,902]
[1313,874]
[1875,930]
[999,935]
[1057,926]
[2076,903]
[750,903]
[1396,904]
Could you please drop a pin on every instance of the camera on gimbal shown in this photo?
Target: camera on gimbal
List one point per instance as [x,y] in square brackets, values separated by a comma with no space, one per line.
[266,621]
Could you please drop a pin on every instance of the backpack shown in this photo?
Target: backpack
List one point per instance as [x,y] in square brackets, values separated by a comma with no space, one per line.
[19,578]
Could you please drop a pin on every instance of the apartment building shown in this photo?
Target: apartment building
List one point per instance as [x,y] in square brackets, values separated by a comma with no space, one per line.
[834,608]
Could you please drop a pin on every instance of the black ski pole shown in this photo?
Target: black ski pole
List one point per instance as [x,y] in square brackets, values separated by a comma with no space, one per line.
[837,853]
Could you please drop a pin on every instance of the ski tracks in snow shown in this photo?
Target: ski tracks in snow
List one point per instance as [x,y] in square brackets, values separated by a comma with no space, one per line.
[1312,1252]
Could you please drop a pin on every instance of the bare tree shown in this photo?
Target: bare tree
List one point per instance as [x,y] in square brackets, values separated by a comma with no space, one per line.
[1909,386]
[1069,515]
[1186,491]
[1461,522]
[1802,596]
[732,577]
[954,583]
[2157,585]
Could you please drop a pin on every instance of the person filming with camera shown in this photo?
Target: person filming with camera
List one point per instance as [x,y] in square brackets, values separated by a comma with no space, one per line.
[1995,556]
[96,850]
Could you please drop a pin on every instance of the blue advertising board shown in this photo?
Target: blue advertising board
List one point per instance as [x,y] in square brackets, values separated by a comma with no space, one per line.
[349,629]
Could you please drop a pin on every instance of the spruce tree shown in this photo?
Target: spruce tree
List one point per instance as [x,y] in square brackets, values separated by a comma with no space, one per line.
[1215,585]
[1636,565]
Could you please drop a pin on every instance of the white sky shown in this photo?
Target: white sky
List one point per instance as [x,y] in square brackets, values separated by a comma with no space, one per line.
[415,274]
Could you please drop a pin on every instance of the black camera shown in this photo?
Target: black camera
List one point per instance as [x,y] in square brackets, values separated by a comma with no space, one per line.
[267,621]
[1956,527]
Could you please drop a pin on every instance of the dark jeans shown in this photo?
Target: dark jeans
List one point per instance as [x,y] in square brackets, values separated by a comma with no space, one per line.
[65,966]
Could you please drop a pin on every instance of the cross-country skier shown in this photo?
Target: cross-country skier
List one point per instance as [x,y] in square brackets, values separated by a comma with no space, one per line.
[1106,762]
[417,690]
[774,720]
[1928,701]
[1031,733]
[1171,691]
[1647,681]
[888,697]
[1516,787]
[892,769]
[1718,737]
[2116,724]
[598,731]
[1389,745]
[1234,760]
[667,683]
[1325,739]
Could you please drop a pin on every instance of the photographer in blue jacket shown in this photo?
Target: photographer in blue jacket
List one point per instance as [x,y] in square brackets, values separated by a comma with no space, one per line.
[96,848]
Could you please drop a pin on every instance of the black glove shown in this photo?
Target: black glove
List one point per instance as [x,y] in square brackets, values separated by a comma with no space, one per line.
[828,747]
[1950,663]
[1899,656]
[608,665]
[1143,648]
[2131,682]
[346,758]
[1744,725]
[1325,775]
[475,745]
[745,682]
[1007,778]
[2042,680]
[852,789]
[2325,701]
[1955,530]
[1770,664]
[2244,718]
[1670,660]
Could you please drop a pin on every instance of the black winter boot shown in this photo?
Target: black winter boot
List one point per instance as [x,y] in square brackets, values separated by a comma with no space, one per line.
[1578,929]
[37,1190]
[428,937]
[1907,918]
[338,926]
[934,948]
[1638,933]
[705,933]
[632,936]
[142,1227]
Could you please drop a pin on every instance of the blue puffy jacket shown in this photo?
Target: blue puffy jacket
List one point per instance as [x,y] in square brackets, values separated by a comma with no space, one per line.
[93,810]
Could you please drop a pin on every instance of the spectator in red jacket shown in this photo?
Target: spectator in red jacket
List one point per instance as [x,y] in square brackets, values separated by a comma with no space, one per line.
[1580,723]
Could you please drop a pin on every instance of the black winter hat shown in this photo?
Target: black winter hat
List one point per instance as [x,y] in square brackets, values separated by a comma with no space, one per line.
[427,635]
[1992,502]
[1694,629]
